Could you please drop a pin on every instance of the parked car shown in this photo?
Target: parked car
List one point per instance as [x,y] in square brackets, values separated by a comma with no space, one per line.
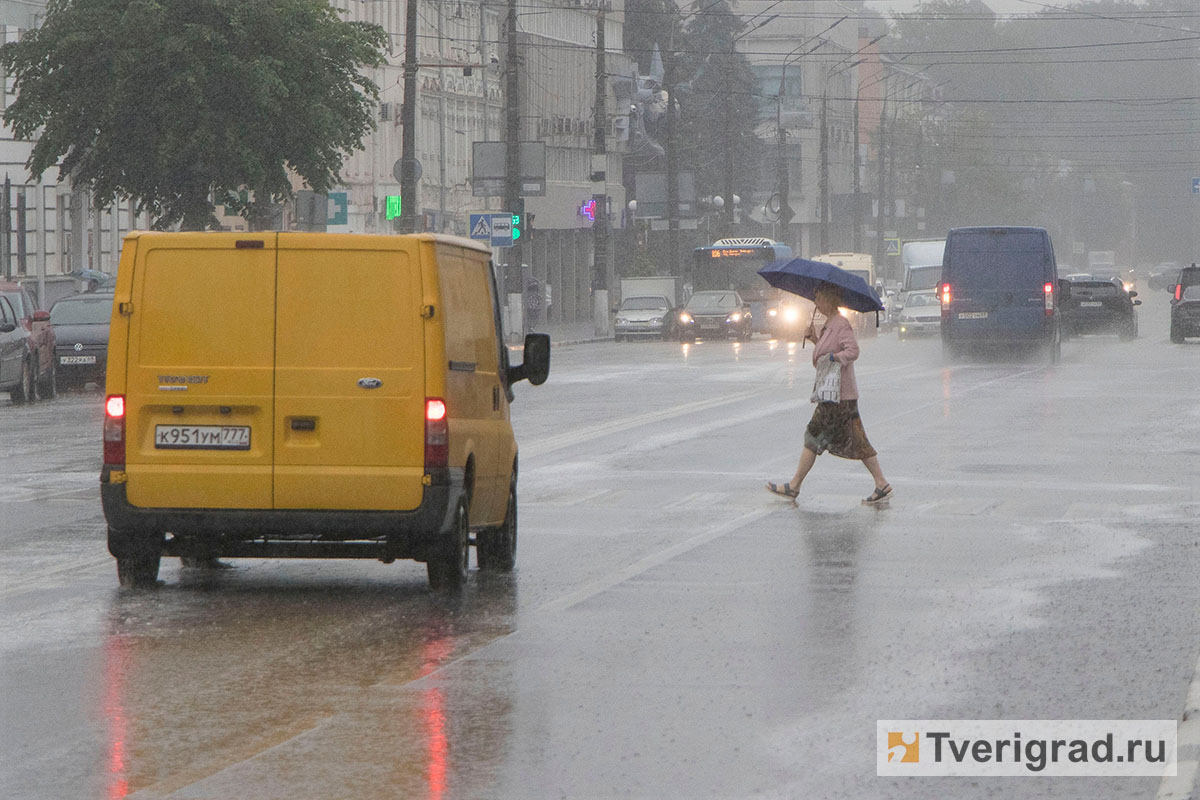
[80,325]
[1185,314]
[41,337]
[644,316]
[719,312]
[16,356]
[1092,304]
[920,315]
[999,288]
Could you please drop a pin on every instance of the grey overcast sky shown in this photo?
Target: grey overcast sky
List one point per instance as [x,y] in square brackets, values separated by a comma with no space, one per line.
[999,6]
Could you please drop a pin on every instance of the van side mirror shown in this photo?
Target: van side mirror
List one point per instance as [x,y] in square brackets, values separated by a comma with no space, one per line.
[536,366]
[41,316]
[1133,294]
[1137,302]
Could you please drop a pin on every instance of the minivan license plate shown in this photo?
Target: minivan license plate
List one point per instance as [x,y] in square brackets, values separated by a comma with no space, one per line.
[202,437]
[972,315]
[77,359]
[1091,304]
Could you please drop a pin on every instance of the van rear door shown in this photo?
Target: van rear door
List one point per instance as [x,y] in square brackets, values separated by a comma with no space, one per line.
[200,377]
[350,373]
[998,278]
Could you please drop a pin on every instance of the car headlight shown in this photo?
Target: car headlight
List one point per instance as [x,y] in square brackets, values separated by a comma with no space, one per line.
[685,318]
[621,320]
[656,321]
[734,317]
[906,318]
[773,312]
[791,315]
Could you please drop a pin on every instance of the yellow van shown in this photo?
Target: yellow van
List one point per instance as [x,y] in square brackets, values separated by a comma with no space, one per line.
[310,395]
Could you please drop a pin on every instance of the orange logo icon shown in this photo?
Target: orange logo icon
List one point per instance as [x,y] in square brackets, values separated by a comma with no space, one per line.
[904,747]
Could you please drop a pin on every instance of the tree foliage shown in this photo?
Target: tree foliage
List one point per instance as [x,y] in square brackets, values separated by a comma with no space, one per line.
[714,88]
[174,102]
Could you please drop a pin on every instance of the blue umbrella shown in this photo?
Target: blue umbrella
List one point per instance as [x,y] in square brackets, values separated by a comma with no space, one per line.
[802,276]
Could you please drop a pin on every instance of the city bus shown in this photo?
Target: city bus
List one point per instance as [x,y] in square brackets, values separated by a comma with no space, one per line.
[734,264]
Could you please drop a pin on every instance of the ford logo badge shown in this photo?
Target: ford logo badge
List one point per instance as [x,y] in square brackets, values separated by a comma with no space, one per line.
[370,383]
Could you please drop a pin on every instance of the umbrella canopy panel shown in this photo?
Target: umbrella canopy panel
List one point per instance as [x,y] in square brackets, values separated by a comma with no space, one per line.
[803,277]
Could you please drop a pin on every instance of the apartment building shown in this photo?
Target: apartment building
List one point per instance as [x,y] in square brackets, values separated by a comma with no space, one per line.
[462,52]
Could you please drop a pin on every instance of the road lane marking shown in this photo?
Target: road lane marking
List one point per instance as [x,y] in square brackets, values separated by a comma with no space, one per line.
[562,441]
[606,582]
[1185,784]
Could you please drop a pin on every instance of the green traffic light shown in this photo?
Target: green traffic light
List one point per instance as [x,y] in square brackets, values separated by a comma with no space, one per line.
[516,226]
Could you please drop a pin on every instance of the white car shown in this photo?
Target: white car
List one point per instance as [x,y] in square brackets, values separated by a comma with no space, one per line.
[920,315]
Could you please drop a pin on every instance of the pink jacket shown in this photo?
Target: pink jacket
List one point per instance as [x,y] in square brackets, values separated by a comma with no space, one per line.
[837,339]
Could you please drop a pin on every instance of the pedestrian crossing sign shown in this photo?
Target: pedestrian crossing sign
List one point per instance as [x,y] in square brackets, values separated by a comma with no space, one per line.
[481,226]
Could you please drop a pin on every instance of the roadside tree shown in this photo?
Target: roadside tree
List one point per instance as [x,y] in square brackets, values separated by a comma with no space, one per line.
[175,103]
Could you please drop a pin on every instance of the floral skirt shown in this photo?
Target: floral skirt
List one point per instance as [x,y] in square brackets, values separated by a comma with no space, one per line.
[836,427]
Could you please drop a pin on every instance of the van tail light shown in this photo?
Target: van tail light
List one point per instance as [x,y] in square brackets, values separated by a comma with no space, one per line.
[114,430]
[1179,291]
[437,433]
[1048,291]
[945,297]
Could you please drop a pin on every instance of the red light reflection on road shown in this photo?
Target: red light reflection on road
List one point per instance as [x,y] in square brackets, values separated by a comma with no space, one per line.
[433,718]
[116,662]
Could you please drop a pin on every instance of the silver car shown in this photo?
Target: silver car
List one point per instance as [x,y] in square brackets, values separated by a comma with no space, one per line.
[920,315]
[644,316]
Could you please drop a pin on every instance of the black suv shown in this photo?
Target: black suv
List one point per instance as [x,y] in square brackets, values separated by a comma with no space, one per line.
[1185,304]
[1093,304]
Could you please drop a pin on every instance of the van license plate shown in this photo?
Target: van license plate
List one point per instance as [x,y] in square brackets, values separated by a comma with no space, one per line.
[202,437]
[77,359]
[1091,304]
[972,315]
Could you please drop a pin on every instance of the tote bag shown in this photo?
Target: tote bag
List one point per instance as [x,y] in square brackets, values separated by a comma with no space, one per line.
[828,386]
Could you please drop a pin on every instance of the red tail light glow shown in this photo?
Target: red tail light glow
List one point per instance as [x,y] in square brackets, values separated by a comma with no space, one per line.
[114,430]
[1048,291]
[1179,291]
[945,295]
[437,433]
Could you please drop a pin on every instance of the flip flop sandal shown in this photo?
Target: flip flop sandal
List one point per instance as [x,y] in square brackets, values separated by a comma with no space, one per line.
[879,496]
[785,490]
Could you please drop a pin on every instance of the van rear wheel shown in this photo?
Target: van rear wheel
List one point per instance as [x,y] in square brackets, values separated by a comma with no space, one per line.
[496,550]
[137,557]
[447,561]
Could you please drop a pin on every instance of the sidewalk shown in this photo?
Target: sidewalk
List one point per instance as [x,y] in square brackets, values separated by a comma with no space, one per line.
[567,333]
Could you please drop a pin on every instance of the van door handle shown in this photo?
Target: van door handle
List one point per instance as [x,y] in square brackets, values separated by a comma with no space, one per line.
[495,398]
[304,424]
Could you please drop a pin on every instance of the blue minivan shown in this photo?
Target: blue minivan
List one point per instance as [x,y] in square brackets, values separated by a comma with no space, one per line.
[999,289]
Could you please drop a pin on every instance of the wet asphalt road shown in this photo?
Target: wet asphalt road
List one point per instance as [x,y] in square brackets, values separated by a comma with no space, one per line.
[671,631]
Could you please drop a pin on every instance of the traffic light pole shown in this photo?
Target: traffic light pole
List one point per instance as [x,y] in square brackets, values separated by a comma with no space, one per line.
[408,152]
[600,190]
[512,131]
